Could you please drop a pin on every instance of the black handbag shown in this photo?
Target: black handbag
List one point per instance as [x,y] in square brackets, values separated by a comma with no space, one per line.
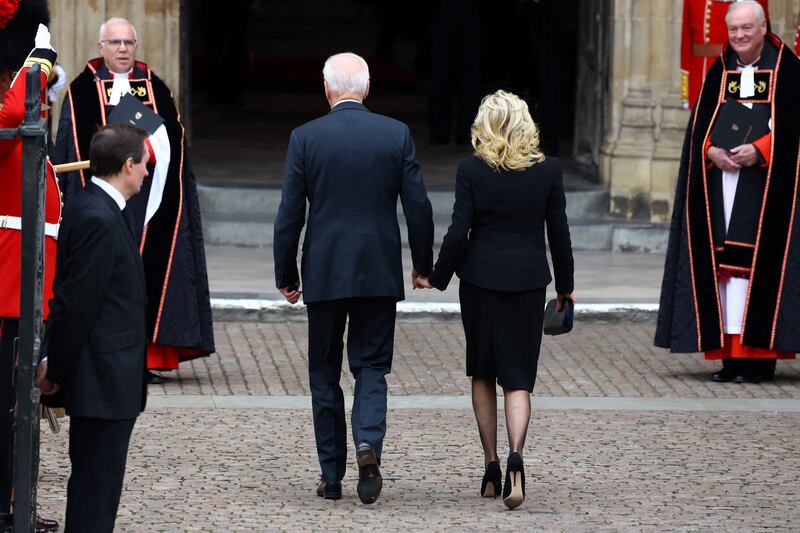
[556,323]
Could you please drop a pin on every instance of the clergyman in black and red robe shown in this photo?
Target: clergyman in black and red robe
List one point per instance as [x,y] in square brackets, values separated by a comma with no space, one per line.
[731,284]
[166,211]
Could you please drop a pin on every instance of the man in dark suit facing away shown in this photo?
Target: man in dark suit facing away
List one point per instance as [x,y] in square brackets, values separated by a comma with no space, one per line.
[351,166]
[95,338]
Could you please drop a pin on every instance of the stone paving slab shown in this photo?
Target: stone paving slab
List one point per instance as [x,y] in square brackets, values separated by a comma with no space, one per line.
[596,359]
[417,403]
[255,470]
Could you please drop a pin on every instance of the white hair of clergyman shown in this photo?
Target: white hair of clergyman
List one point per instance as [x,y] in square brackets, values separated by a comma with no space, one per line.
[343,82]
[756,7]
[115,20]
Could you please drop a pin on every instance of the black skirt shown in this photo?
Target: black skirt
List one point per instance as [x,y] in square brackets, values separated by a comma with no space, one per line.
[504,332]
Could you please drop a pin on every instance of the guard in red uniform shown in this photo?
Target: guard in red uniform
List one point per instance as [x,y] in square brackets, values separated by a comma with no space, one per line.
[704,32]
[18,26]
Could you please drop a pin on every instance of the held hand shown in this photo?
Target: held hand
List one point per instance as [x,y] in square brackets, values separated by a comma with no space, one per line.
[560,300]
[422,283]
[722,159]
[414,276]
[292,294]
[745,155]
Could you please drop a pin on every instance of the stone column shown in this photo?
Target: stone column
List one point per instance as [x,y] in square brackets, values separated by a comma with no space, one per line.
[628,150]
[75,25]
[783,16]
[642,148]
[670,117]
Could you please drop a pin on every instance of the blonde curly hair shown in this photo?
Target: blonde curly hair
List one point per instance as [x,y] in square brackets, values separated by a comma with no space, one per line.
[504,134]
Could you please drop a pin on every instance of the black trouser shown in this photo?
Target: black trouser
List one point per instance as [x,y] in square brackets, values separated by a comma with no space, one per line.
[746,366]
[9,330]
[370,343]
[98,450]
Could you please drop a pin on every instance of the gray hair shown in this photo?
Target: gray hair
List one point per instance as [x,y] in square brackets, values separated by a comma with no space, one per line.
[115,20]
[757,9]
[346,82]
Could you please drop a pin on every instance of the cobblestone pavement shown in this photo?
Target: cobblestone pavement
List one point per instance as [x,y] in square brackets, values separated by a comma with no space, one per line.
[596,359]
[255,470]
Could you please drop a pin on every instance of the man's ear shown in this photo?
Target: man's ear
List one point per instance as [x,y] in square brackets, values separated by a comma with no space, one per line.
[366,93]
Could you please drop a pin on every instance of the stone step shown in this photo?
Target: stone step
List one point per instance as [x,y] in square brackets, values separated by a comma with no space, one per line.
[253,201]
[589,235]
[244,216]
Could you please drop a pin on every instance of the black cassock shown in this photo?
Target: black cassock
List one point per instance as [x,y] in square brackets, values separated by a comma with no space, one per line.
[179,310]
[765,245]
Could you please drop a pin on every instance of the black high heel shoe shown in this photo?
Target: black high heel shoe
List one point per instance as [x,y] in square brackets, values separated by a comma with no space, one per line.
[492,480]
[514,489]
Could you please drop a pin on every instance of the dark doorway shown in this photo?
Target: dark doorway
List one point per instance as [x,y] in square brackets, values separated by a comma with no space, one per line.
[256,74]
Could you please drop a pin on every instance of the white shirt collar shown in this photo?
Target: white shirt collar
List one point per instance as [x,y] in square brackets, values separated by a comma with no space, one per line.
[125,75]
[348,100]
[111,191]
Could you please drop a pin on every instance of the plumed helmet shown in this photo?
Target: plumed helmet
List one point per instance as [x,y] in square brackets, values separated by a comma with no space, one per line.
[19,20]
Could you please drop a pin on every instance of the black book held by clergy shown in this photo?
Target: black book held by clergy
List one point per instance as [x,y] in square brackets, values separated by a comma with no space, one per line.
[133,112]
[736,125]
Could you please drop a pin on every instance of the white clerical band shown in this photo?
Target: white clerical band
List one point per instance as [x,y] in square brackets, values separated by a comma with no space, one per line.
[9,222]
[748,82]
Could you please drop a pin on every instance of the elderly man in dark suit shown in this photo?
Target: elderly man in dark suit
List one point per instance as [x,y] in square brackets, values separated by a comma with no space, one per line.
[95,337]
[351,166]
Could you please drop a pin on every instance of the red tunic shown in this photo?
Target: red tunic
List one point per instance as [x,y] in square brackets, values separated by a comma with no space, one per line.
[703,34]
[797,39]
[11,115]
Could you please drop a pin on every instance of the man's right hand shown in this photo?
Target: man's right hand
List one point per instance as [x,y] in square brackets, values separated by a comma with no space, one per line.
[292,294]
[46,386]
[722,159]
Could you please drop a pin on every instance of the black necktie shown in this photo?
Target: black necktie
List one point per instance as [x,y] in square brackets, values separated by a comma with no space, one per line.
[129,219]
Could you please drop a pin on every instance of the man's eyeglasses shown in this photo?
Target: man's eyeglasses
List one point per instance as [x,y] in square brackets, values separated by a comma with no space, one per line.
[116,43]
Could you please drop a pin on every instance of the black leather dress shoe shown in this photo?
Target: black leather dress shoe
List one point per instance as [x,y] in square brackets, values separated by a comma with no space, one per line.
[370,481]
[154,379]
[756,371]
[330,490]
[725,375]
[753,377]
[45,524]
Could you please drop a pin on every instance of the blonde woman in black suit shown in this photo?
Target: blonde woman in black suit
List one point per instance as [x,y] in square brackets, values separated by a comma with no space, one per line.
[506,193]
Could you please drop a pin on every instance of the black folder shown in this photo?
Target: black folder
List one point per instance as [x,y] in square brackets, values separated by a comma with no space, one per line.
[736,125]
[133,112]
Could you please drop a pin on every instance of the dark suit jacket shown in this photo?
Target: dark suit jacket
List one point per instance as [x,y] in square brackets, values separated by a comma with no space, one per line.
[351,165]
[496,240]
[95,337]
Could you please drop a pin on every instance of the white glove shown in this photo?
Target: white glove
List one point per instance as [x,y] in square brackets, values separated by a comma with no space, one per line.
[42,39]
[58,86]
